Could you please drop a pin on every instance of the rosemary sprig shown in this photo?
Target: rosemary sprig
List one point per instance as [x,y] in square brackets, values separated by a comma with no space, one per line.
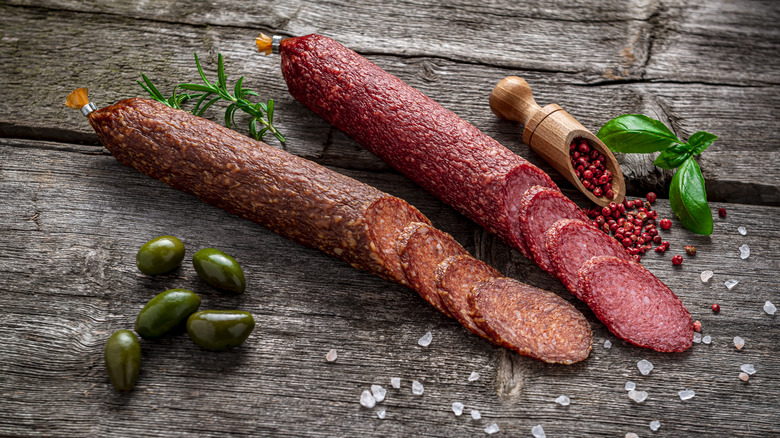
[208,94]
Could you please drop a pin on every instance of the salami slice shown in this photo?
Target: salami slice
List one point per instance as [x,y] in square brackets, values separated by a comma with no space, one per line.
[421,249]
[635,305]
[410,131]
[540,208]
[571,243]
[530,321]
[455,277]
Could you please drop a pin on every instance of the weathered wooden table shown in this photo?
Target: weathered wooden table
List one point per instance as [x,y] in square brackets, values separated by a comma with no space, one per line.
[72,218]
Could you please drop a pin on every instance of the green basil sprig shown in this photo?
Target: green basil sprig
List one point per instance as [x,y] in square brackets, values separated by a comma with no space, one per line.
[639,134]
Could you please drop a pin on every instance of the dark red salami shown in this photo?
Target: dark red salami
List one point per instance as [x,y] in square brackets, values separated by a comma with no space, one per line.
[421,248]
[635,305]
[530,321]
[571,243]
[540,208]
[455,277]
[429,144]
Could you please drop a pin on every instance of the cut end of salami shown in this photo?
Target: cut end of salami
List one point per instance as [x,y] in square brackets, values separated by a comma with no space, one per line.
[530,321]
[455,277]
[635,305]
[571,243]
[518,182]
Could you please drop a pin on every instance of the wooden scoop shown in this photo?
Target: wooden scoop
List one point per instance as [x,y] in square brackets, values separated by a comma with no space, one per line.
[549,131]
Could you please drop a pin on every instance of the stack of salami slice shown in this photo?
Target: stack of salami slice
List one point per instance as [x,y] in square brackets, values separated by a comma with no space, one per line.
[494,187]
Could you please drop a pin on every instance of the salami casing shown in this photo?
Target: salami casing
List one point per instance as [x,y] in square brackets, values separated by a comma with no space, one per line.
[531,321]
[429,144]
[455,277]
[635,305]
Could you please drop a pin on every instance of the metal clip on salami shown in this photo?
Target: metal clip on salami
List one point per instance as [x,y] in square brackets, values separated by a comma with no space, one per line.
[549,131]
[77,99]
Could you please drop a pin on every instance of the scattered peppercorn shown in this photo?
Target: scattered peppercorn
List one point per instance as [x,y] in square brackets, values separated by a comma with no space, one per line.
[677,260]
[722,212]
[697,326]
[651,197]
[716,308]
[665,224]
[690,250]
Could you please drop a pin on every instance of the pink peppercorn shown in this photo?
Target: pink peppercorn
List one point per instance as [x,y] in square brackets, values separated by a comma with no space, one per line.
[716,308]
[651,197]
[677,260]
[722,212]
[665,224]
[697,326]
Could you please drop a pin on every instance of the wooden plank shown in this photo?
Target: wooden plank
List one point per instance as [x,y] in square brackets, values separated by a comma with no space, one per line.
[72,219]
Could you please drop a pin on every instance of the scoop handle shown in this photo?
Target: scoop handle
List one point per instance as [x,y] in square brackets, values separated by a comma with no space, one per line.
[512,99]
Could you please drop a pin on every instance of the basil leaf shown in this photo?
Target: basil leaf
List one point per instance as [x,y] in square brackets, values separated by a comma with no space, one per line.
[689,199]
[636,133]
[700,141]
[673,156]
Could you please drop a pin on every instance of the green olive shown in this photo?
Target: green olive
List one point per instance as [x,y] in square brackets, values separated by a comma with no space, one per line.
[165,312]
[160,255]
[219,330]
[123,359]
[219,270]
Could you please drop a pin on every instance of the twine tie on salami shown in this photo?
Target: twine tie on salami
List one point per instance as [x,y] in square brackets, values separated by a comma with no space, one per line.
[78,99]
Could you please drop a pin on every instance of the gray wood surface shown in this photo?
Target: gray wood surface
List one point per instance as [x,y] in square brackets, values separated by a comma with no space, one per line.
[72,218]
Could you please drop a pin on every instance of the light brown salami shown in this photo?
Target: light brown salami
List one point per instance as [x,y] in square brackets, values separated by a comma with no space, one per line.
[571,243]
[455,277]
[540,208]
[530,321]
[635,305]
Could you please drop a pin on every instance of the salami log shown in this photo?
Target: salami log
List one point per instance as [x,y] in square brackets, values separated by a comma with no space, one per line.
[571,243]
[426,142]
[455,277]
[540,208]
[531,321]
[635,305]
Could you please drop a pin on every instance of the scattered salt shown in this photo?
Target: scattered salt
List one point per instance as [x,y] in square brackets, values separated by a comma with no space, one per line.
[378,392]
[630,385]
[731,283]
[332,355]
[742,230]
[632,435]
[457,407]
[474,376]
[381,414]
[417,388]
[493,428]
[739,342]
[563,400]
[686,394]
[644,367]
[475,414]
[655,425]
[538,432]
[706,275]
[395,382]
[425,340]
[769,308]
[707,339]
[696,337]
[607,344]
[637,396]
[367,400]
[744,377]
[748,368]
[744,252]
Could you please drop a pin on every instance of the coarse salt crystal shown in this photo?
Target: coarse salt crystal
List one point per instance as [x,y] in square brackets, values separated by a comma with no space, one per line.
[739,342]
[538,432]
[686,394]
[367,400]
[731,283]
[630,385]
[632,435]
[707,339]
[395,382]
[744,252]
[417,388]
[655,425]
[637,396]
[742,230]
[607,344]
[696,337]
[563,400]
[769,308]
[644,367]
[425,340]
[332,355]
[457,408]
[378,392]
[475,414]
[493,428]
[748,368]
[381,414]
[706,275]
[474,376]
[744,377]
